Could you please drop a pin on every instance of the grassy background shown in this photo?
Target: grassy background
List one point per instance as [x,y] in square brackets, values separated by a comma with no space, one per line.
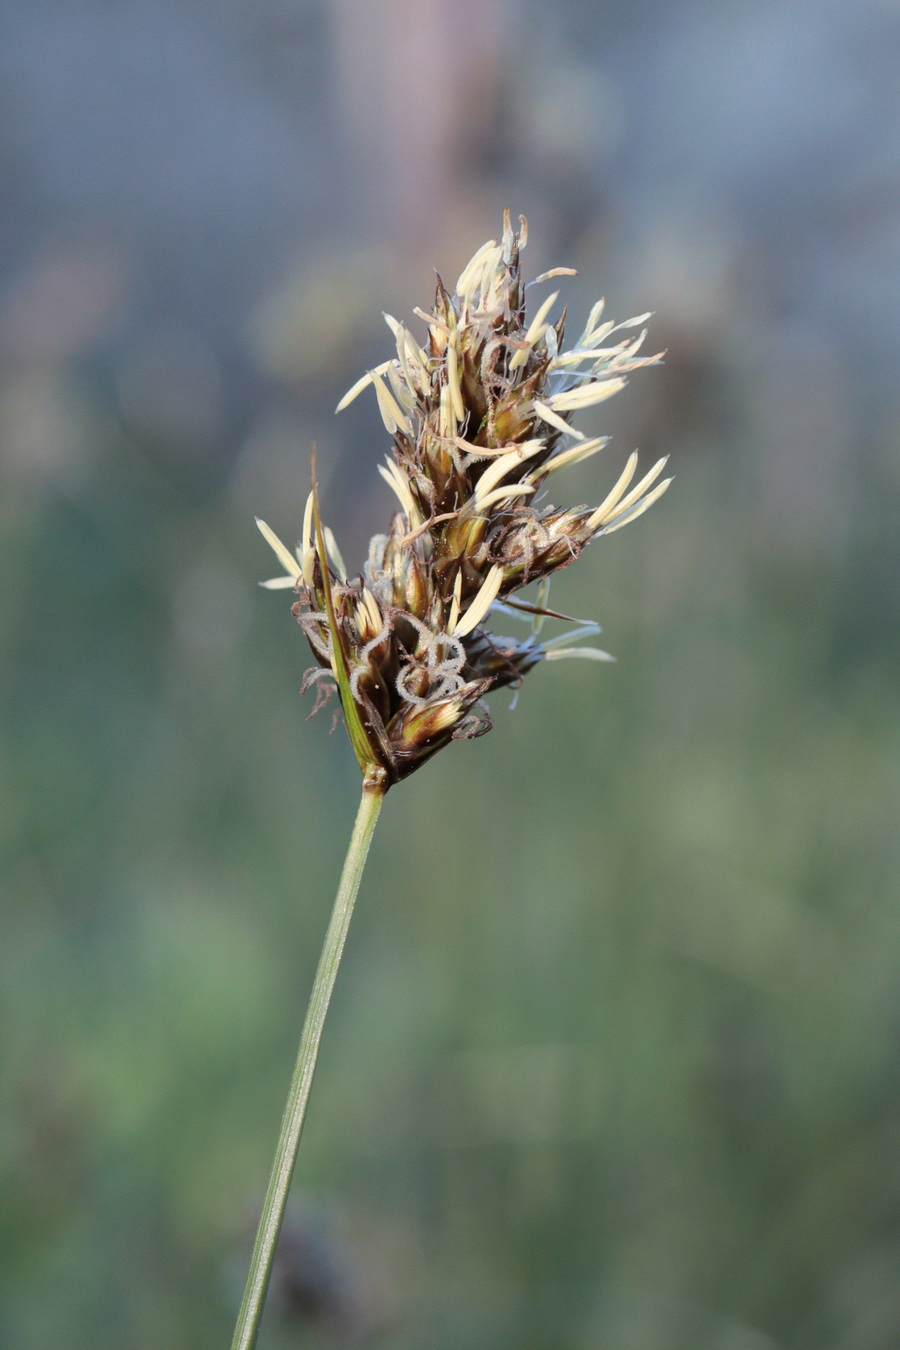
[614,1059]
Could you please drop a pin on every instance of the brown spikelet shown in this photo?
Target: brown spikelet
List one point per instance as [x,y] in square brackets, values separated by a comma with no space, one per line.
[480,421]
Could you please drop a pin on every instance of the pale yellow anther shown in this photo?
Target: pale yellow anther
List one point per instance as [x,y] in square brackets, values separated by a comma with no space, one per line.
[279,583]
[334,553]
[487,451]
[555,272]
[401,389]
[414,351]
[509,237]
[586,654]
[578,355]
[435,325]
[308,565]
[639,510]
[592,322]
[573,456]
[535,332]
[283,554]
[502,466]
[471,275]
[636,321]
[636,343]
[446,417]
[372,610]
[360,385]
[479,607]
[306,537]
[456,398]
[586,394]
[503,492]
[453,620]
[398,484]
[608,505]
[553,419]
[642,486]
[536,325]
[392,414]
[412,361]
[598,334]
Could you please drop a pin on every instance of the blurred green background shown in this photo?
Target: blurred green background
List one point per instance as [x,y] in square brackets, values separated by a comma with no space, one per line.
[614,1059]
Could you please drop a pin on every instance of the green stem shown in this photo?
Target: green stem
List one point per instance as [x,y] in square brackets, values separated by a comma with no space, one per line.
[251,1309]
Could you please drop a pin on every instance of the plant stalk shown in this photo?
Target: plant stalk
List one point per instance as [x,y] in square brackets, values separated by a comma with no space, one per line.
[252,1303]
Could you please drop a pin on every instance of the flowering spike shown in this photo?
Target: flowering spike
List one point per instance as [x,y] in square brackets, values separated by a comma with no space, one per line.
[479,418]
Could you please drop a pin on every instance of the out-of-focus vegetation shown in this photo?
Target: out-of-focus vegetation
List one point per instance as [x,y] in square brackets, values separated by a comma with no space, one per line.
[614,1059]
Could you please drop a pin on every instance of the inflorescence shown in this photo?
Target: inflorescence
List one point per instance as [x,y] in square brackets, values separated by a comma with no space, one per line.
[480,422]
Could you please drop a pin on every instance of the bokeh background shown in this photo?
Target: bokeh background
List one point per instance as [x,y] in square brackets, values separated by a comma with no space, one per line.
[614,1061]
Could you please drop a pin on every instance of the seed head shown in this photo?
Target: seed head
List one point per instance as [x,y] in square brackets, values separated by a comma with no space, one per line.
[480,423]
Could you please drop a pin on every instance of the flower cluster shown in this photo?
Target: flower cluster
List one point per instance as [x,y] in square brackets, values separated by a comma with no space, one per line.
[480,423]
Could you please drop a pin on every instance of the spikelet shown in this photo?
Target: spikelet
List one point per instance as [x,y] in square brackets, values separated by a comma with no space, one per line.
[480,421]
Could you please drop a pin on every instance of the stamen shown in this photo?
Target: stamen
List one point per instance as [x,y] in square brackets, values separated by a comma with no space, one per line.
[586,653]
[334,553]
[586,395]
[638,510]
[502,466]
[392,414]
[534,333]
[306,536]
[426,525]
[573,456]
[456,398]
[509,238]
[636,321]
[279,583]
[355,390]
[308,566]
[407,350]
[284,555]
[607,506]
[446,416]
[396,481]
[554,420]
[415,354]
[479,607]
[576,355]
[453,620]
[554,272]
[593,320]
[371,605]
[432,321]
[306,553]
[472,273]
[500,493]
[645,482]
[401,389]
[487,451]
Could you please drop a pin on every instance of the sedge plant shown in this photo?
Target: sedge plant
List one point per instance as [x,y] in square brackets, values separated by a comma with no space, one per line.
[480,418]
